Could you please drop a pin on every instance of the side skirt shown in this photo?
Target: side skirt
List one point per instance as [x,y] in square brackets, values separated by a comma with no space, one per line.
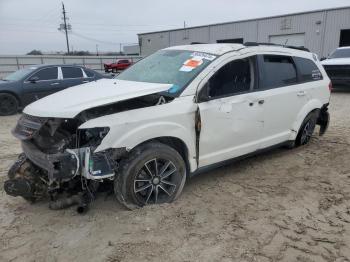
[211,167]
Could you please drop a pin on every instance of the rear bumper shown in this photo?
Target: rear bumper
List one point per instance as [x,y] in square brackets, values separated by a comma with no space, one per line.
[323,119]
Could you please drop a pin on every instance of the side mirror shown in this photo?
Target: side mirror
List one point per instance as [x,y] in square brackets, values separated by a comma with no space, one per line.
[33,79]
[203,95]
[323,58]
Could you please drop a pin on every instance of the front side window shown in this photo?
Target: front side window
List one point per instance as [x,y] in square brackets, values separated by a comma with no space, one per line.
[175,67]
[308,70]
[233,78]
[276,71]
[50,73]
[72,72]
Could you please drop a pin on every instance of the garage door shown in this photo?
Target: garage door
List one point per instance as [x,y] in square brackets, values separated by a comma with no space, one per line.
[294,39]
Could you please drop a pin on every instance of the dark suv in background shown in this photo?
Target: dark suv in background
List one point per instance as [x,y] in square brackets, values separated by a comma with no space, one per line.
[30,84]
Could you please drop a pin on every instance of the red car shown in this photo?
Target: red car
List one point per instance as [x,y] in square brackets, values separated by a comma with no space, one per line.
[119,65]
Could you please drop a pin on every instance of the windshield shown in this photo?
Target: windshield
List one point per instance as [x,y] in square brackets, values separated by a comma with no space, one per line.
[341,53]
[176,67]
[18,75]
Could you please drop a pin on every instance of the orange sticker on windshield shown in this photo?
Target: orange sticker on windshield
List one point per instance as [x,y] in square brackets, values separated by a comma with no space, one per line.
[193,63]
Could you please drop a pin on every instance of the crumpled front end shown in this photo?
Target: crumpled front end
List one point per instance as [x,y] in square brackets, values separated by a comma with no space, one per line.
[58,159]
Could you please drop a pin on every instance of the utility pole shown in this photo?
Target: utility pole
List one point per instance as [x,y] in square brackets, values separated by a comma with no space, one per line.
[185,33]
[65,26]
[96,49]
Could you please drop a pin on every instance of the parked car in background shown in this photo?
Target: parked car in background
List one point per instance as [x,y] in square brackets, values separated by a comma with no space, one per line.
[172,115]
[119,65]
[337,67]
[30,84]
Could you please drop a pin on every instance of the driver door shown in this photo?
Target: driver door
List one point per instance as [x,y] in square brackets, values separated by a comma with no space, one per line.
[232,116]
[40,84]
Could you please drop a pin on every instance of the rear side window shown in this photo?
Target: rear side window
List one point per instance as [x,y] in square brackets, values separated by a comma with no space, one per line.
[276,71]
[308,70]
[72,72]
[50,73]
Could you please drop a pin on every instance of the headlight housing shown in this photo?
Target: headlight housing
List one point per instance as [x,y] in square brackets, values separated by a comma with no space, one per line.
[91,137]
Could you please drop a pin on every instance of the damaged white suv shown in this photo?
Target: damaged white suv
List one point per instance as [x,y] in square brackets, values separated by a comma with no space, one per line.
[170,116]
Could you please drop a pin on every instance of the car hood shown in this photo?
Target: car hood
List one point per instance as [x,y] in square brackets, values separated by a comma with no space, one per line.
[7,85]
[70,102]
[336,61]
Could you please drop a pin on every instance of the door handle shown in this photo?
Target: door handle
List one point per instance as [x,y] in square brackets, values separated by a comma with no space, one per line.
[301,93]
[54,84]
[261,102]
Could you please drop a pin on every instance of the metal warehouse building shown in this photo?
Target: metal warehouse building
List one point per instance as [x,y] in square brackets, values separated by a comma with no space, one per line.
[321,31]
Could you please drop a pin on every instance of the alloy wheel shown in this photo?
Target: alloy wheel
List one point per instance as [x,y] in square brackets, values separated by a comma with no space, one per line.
[156,182]
[307,132]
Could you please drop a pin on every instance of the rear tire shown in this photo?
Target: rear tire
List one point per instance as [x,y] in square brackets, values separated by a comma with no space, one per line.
[153,173]
[307,129]
[8,104]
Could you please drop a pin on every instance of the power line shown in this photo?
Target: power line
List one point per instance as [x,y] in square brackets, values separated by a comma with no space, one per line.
[97,40]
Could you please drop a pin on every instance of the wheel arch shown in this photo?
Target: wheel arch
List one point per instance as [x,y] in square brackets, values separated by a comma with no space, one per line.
[174,142]
[14,94]
[311,106]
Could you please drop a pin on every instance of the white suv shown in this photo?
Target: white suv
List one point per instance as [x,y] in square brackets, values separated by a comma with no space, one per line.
[166,118]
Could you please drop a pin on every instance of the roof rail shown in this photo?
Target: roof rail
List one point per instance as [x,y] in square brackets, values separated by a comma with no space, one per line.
[302,48]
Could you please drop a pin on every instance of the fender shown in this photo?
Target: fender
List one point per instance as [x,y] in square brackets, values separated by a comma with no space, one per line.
[310,106]
[129,129]
[140,134]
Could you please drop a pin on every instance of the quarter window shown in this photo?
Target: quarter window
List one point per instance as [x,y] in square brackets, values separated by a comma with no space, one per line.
[276,71]
[50,73]
[308,71]
[72,72]
[233,78]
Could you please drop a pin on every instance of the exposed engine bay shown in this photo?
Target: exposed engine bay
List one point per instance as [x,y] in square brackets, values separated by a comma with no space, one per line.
[58,159]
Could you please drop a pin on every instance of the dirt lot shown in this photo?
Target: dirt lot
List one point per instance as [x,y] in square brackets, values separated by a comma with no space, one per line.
[286,205]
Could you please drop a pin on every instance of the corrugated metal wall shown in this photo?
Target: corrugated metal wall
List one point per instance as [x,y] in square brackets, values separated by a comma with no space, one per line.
[321,29]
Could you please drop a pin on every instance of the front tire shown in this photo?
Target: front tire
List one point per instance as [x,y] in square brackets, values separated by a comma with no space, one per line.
[153,173]
[8,105]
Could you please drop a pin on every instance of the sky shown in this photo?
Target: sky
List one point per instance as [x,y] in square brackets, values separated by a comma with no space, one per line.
[107,24]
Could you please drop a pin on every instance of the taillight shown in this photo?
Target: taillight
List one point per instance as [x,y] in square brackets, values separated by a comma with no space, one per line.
[330,86]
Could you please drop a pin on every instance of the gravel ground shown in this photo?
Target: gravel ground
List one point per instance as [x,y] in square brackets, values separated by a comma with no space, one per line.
[284,205]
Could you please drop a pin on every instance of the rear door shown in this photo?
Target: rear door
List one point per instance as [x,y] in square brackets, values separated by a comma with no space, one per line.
[283,97]
[41,83]
[231,121]
[310,77]
[72,76]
